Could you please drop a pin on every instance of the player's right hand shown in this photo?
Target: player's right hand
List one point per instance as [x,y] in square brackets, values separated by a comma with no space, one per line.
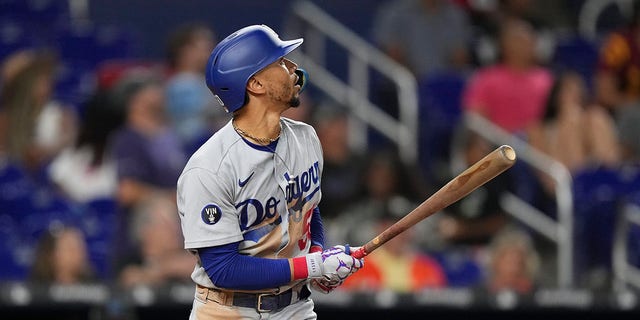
[333,265]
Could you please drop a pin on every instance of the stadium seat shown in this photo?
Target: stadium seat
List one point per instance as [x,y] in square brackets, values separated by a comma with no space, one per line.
[99,224]
[115,44]
[89,45]
[13,37]
[633,238]
[11,267]
[596,205]
[15,190]
[462,270]
[440,111]
[74,84]
[44,12]
[578,54]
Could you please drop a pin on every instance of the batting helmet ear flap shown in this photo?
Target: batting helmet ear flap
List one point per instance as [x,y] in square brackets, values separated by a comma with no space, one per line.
[238,57]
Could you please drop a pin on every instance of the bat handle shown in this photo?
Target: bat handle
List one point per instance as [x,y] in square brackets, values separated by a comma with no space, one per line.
[359,254]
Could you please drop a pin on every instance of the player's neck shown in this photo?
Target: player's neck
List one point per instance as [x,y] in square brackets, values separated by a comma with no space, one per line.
[258,122]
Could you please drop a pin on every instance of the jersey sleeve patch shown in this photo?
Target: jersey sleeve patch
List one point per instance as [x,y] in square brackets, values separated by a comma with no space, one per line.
[211,214]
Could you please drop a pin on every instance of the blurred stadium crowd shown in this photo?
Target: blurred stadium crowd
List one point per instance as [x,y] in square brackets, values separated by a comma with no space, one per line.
[93,137]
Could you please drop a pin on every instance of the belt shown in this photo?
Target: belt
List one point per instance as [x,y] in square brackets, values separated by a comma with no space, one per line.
[263,302]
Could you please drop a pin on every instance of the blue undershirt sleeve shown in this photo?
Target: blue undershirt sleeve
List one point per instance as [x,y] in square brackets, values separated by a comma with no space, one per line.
[229,269]
[317,229]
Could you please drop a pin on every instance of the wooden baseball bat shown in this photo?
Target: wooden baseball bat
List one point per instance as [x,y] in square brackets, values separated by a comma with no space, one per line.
[478,174]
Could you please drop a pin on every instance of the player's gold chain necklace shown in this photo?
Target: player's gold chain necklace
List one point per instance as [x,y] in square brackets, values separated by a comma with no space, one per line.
[259,140]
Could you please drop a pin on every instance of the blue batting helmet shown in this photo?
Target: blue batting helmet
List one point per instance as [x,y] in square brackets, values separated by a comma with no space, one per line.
[238,57]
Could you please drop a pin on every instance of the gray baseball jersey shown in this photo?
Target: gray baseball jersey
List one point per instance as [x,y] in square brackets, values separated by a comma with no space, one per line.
[232,190]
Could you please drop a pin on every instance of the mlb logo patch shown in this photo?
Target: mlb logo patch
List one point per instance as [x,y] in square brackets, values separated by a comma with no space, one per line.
[211,214]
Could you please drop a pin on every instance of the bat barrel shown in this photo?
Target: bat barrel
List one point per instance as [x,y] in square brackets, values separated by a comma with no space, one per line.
[473,177]
[508,153]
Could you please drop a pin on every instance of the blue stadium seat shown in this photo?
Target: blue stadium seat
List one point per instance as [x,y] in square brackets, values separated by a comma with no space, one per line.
[11,267]
[440,111]
[74,84]
[27,209]
[578,54]
[441,95]
[461,270]
[15,190]
[597,195]
[77,44]
[630,177]
[99,226]
[633,238]
[13,37]
[115,43]
[90,45]
[39,17]
[44,12]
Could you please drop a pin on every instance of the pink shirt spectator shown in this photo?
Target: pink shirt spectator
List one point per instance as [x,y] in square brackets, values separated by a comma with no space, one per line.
[511,99]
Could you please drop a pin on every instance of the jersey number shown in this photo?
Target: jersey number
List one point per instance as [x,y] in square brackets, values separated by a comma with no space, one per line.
[302,243]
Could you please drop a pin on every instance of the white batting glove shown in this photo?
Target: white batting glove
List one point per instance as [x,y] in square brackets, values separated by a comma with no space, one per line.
[336,265]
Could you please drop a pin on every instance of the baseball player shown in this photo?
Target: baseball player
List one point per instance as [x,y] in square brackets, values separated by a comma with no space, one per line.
[248,198]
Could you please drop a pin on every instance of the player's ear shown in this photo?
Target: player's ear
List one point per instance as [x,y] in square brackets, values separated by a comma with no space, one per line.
[255,86]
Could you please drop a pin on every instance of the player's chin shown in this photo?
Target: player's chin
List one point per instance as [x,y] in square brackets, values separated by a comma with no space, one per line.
[295,101]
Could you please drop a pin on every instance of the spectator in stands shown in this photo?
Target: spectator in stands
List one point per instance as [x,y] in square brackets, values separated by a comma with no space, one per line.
[61,258]
[574,132]
[190,106]
[148,154]
[618,77]
[618,83]
[342,172]
[87,171]
[424,35]
[513,263]
[627,120]
[475,219]
[35,127]
[161,258]
[512,93]
[545,16]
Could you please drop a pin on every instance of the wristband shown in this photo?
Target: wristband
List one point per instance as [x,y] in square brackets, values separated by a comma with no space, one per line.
[314,265]
[309,266]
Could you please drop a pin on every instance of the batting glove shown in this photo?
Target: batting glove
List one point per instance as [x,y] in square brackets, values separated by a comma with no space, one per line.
[328,269]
